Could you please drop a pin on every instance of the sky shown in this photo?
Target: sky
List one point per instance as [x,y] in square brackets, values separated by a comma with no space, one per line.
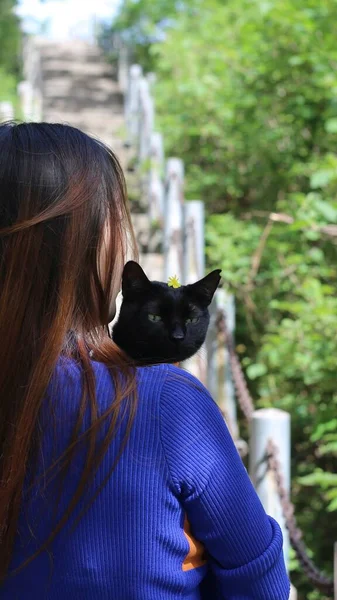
[65,19]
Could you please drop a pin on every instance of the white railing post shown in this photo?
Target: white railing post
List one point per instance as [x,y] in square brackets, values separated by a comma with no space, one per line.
[229,311]
[156,189]
[6,111]
[26,95]
[194,268]
[274,424]
[173,219]
[213,347]
[152,78]
[194,241]
[30,89]
[132,103]
[219,377]
[37,86]
[122,67]
[146,120]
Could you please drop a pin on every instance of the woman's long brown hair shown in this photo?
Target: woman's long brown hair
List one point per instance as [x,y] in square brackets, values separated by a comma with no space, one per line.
[64,230]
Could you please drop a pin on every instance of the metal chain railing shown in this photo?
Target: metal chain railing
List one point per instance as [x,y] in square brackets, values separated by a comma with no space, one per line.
[244,398]
[319,579]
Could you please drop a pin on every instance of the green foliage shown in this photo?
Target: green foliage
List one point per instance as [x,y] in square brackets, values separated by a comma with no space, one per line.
[251,94]
[246,94]
[7,86]
[10,37]
[143,22]
[327,481]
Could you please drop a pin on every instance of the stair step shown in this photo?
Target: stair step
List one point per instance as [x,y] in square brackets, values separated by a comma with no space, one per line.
[66,68]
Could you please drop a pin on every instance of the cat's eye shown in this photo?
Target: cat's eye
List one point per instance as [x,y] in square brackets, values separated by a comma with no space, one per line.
[154,318]
[192,320]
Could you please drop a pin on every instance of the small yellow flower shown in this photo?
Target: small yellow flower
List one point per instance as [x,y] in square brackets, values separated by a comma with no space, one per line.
[173,282]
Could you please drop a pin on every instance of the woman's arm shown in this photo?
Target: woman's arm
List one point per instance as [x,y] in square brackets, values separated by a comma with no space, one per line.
[244,544]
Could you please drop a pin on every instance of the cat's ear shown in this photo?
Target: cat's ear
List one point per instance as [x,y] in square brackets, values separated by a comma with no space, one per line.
[204,289]
[134,279]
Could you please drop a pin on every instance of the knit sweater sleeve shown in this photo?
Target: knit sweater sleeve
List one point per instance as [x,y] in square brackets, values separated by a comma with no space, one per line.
[244,545]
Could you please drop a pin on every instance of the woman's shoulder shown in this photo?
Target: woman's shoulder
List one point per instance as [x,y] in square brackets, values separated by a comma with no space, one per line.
[152,378]
[164,384]
[169,374]
[165,372]
[166,381]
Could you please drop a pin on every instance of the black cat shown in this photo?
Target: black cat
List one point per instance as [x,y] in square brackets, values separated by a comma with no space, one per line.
[159,323]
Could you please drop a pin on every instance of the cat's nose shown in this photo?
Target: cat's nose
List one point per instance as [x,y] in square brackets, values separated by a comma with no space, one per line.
[177,334]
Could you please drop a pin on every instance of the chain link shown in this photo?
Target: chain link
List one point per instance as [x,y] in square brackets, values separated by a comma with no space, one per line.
[319,579]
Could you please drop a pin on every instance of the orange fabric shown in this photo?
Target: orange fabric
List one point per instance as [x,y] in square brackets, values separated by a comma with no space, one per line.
[196,555]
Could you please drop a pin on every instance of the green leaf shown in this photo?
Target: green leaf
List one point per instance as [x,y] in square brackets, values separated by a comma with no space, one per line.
[328,448]
[321,478]
[332,506]
[331,125]
[323,428]
[328,211]
[295,60]
[320,179]
[256,370]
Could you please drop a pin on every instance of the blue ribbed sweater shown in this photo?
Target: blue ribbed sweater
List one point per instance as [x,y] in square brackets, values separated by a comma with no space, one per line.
[180,463]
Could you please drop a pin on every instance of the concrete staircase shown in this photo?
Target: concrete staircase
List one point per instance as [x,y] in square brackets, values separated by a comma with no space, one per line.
[80,88]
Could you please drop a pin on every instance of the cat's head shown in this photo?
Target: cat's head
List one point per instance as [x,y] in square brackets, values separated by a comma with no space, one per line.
[159,323]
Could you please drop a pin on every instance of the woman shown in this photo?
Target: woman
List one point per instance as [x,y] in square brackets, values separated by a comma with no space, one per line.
[116,482]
